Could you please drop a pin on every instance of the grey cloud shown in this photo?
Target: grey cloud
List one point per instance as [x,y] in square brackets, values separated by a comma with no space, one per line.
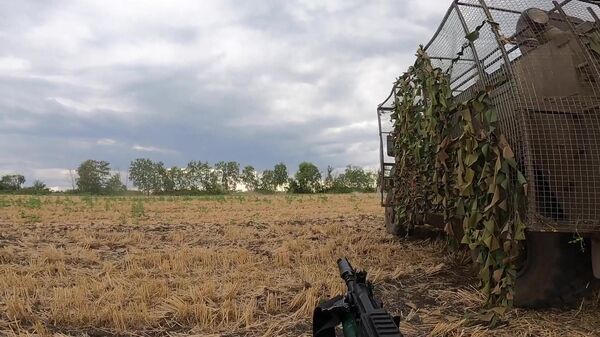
[255,81]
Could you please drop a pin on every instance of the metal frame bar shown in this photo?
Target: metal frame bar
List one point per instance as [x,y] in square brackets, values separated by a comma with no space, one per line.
[465,81]
[490,7]
[485,7]
[487,10]
[565,17]
[573,30]
[439,29]
[564,3]
[388,97]
[485,67]
[595,16]
[591,2]
[450,58]
[471,44]
[491,63]
[478,62]
[381,158]
[380,111]
[496,32]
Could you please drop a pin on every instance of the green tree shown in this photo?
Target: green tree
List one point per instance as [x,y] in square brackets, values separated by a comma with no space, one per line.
[229,175]
[197,175]
[220,171]
[179,178]
[39,187]
[161,180]
[267,181]
[329,179]
[114,185]
[280,175]
[307,179]
[11,182]
[203,178]
[146,175]
[354,179]
[233,175]
[213,184]
[167,184]
[249,178]
[92,176]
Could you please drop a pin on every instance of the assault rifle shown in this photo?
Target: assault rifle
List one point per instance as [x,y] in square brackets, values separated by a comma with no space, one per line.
[360,314]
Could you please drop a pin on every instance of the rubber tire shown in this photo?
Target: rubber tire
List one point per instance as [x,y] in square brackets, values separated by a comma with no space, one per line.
[554,273]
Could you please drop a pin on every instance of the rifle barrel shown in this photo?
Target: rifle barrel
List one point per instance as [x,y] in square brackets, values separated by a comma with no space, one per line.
[345,268]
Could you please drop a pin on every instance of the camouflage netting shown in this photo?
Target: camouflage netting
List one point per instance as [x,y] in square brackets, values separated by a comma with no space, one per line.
[452,160]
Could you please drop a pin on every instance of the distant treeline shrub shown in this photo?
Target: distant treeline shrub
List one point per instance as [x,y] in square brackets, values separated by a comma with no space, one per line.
[95,177]
[13,184]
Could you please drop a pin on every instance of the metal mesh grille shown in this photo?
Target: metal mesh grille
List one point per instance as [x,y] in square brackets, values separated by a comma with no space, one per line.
[544,67]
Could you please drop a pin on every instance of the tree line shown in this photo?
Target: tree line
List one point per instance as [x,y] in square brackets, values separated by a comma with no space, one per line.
[197,177]
[200,177]
[153,177]
[13,183]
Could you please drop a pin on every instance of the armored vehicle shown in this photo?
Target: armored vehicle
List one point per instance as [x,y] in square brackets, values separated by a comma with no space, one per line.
[542,59]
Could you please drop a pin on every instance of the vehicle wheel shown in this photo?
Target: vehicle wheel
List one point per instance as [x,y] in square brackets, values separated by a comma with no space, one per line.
[553,271]
[391,221]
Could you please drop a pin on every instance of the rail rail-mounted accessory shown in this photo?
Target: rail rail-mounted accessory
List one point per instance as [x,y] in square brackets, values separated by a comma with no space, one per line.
[539,63]
[359,313]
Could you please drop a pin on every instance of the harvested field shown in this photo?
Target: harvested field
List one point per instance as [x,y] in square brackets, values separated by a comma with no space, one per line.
[247,265]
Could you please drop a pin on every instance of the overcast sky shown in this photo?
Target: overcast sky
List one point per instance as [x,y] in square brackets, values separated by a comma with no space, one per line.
[253,81]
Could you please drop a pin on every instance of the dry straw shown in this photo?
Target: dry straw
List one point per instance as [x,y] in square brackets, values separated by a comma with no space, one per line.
[83,271]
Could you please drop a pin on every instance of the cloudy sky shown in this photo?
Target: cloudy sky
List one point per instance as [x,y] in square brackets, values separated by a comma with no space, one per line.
[253,81]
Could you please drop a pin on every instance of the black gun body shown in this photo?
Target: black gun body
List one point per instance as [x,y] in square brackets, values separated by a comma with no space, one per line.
[360,313]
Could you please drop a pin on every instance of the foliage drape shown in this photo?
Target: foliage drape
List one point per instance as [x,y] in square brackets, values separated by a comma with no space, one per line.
[453,160]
